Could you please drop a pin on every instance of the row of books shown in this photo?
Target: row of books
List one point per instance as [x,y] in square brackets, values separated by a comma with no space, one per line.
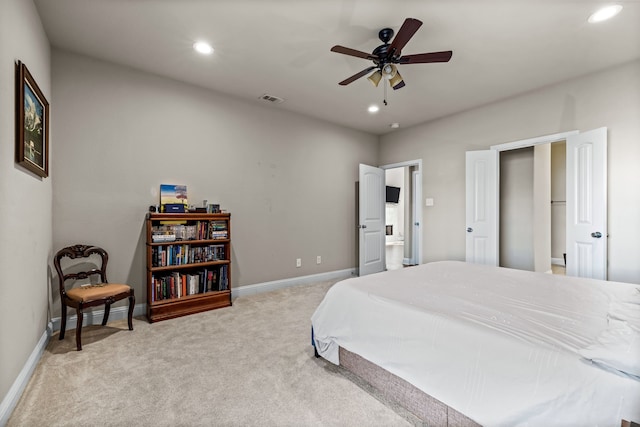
[177,285]
[200,230]
[222,234]
[219,230]
[219,225]
[162,256]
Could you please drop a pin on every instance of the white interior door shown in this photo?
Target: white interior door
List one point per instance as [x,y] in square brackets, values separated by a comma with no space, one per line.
[372,220]
[482,207]
[587,204]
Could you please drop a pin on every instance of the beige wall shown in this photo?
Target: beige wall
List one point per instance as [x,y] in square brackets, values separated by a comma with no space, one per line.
[25,210]
[610,98]
[288,181]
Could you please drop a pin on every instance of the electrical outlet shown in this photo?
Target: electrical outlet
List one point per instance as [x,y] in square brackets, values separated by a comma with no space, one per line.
[318,259]
[298,262]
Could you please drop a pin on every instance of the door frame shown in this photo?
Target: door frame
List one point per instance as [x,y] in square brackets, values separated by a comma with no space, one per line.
[526,143]
[416,206]
[539,140]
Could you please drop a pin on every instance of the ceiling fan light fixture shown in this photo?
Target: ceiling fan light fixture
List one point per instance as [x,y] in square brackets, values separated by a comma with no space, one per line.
[375,78]
[396,81]
[399,85]
[389,71]
[605,13]
[373,109]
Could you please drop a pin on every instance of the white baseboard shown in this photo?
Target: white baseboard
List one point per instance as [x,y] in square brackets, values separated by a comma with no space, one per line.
[294,281]
[95,317]
[10,400]
[557,261]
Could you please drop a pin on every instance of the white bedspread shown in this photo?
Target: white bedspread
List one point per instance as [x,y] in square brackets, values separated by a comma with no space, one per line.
[501,346]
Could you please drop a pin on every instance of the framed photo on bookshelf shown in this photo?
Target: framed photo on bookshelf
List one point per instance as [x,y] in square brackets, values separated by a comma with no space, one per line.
[32,116]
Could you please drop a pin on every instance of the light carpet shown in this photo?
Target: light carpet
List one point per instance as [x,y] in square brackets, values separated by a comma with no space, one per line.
[250,364]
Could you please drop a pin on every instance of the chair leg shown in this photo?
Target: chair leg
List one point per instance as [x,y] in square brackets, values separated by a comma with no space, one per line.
[79,328]
[132,303]
[63,322]
[107,308]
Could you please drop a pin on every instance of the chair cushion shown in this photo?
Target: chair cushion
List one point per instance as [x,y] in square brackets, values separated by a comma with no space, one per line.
[95,292]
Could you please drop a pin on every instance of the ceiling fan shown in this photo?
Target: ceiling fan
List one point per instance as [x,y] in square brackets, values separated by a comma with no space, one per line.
[387,55]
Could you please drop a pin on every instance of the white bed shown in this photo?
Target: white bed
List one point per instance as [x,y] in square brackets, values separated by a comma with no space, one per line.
[503,347]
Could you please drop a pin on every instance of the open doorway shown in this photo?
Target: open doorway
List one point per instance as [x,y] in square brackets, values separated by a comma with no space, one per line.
[395,207]
[371,216]
[559,207]
[403,210]
[533,208]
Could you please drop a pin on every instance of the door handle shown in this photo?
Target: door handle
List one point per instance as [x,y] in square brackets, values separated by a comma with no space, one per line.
[469,230]
[596,234]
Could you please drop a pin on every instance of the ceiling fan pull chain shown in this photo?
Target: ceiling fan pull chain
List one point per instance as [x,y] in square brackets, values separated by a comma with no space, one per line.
[385,93]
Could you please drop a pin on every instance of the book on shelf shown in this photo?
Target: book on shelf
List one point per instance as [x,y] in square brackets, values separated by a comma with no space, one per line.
[192,284]
[171,194]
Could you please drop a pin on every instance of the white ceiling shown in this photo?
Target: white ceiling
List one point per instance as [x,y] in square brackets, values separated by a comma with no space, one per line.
[501,48]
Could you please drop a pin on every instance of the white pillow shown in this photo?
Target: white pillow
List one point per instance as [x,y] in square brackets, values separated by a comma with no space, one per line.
[617,347]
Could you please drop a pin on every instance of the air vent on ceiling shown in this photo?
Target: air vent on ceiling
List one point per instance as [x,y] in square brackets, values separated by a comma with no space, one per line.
[271,98]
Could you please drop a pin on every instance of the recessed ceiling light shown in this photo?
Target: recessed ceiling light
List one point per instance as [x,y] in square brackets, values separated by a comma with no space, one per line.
[203,48]
[605,13]
[394,125]
[373,109]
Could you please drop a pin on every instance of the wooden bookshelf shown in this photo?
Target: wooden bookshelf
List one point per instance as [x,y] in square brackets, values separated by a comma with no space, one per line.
[188,263]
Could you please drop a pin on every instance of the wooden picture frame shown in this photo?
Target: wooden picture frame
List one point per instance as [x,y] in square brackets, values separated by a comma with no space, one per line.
[32,124]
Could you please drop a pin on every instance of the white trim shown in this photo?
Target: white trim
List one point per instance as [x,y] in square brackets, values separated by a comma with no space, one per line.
[95,317]
[406,261]
[530,142]
[12,397]
[557,261]
[404,164]
[257,288]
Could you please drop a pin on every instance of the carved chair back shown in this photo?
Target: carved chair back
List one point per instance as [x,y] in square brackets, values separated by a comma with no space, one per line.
[76,252]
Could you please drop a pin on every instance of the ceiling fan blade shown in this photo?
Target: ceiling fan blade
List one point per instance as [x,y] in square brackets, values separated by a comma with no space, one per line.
[422,58]
[356,76]
[408,29]
[351,52]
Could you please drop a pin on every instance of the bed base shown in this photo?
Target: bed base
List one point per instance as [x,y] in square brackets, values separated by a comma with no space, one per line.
[429,410]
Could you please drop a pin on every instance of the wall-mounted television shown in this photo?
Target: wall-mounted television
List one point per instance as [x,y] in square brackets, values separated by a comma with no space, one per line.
[393,194]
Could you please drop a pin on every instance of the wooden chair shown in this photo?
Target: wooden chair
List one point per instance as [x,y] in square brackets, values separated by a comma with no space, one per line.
[89,295]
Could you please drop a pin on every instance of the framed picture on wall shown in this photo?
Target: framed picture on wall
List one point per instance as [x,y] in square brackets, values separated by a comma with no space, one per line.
[32,127]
